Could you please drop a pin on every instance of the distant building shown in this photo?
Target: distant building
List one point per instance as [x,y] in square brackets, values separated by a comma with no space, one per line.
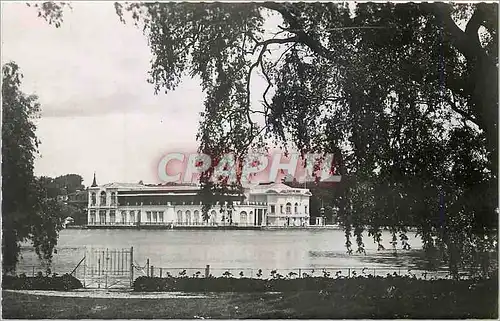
[128,204]
[78,198]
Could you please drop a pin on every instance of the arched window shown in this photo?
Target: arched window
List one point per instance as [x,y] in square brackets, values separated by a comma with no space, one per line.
[103,198]
[113,198]
[112,216]
[132,217]
[296,208]
[124,217]
[92,217]
[213,217]
[243,218]
[288,208]
[251,218]
[188,217]
[179,217]
[196,217]
[93,199]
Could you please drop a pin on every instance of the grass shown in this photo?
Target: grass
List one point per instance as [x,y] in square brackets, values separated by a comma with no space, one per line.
[297,305]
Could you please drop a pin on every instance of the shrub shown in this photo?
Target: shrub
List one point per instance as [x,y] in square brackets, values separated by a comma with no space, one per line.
[59,283]
[398,287]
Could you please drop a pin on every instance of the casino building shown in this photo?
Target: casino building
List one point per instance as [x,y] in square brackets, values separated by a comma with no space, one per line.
[129,205]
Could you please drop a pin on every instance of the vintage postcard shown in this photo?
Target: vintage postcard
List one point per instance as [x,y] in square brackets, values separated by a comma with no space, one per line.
[249,160]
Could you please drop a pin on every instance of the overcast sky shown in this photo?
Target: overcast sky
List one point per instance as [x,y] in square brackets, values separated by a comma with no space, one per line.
[98,112]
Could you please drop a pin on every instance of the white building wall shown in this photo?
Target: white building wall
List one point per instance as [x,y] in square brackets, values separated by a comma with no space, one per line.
[244,214]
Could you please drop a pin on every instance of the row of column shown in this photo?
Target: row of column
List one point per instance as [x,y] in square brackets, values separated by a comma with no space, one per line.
[188,217]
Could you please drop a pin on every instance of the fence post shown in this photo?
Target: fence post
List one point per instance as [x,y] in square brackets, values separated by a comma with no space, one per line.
[152,271]
[147,267]
[84,270]
[207,271]
[131,266]
[99,272]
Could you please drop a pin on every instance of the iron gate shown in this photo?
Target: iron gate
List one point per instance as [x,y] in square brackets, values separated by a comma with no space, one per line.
[108,268]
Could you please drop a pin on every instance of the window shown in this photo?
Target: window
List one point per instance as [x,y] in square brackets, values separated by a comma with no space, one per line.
[243,218]
[296,210]
[155,217]
[160,214]
[112,216]
[273,209]
[103,198]
[132,217]
[196,217]
[93,200]
[288,208]
[124,217]
[305,209]
[113,198]
[188,217]
[179,217]
[281,209]
[102,217]
[148,216]
[92,217]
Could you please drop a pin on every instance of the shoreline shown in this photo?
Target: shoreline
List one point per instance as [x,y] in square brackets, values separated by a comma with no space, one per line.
[207,227]
[200,227]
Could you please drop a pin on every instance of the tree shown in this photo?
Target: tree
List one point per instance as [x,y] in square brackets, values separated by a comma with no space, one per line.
[425,88]
[26,212]
[69,183]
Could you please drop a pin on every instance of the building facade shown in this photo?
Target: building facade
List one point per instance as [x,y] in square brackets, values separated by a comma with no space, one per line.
[126,205]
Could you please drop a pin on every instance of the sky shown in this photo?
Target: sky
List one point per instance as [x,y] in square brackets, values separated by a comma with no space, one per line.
[99,114]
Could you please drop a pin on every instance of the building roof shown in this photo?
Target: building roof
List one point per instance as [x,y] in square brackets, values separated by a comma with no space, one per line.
[263,188]
[137,186]
[278,188]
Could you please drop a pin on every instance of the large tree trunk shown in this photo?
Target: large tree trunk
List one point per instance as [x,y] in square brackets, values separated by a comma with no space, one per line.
[482,85]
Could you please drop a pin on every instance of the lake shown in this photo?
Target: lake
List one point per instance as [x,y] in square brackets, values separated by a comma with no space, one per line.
[230,250]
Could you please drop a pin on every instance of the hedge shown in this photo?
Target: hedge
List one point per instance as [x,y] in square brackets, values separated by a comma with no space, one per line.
[375,285]
[389,297]
[59,283]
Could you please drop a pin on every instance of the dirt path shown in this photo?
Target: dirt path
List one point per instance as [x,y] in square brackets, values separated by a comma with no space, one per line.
[111,294]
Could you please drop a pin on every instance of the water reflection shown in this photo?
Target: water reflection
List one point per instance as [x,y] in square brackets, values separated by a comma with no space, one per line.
[237,249]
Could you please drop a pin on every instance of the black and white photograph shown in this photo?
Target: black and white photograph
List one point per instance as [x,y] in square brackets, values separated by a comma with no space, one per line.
[249,160]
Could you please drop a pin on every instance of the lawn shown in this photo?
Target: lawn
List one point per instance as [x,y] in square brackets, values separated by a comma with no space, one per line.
[306,304]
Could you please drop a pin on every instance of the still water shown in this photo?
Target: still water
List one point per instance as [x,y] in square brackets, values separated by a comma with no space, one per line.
[229,249]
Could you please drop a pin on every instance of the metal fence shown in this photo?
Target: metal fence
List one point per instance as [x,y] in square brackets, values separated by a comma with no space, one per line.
[96,268]
[289,273]
[146,269]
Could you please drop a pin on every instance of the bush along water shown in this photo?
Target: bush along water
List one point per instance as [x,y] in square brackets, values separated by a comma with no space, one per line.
[40,282]
[389,285]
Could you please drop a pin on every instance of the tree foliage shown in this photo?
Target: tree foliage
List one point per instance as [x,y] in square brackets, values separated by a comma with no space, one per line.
[404,98]
[62,185]
[27,214]
[404,95]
